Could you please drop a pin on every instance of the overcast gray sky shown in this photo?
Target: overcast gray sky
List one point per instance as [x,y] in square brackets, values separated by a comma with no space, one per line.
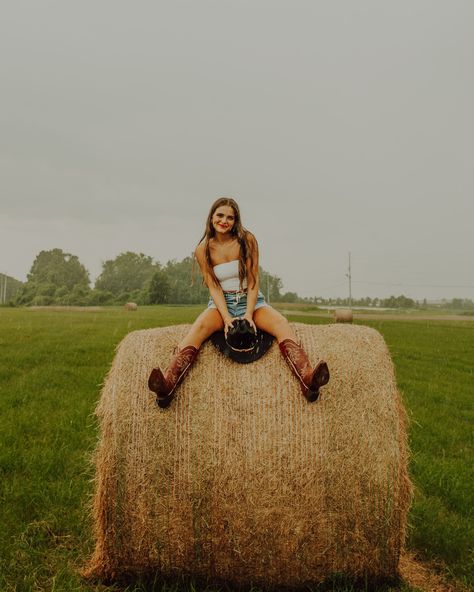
[338,126]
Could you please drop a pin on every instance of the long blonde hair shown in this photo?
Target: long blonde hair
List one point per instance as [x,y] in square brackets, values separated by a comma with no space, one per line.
[246,251]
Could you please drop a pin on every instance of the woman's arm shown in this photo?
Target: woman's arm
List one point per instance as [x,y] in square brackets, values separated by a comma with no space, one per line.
[214,289]
[252,269]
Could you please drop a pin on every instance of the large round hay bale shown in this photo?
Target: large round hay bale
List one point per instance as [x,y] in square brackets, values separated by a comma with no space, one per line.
[343,315]
[131,306]
[241,479]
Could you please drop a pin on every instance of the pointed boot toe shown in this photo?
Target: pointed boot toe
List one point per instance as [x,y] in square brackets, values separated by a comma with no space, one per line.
[164,402]
[320,376]
[157,382]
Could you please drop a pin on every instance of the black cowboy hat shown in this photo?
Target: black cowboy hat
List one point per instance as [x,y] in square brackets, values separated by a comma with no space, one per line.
[242,343]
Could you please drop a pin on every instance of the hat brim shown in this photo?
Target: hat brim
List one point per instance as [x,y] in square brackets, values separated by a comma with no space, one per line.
[263,344]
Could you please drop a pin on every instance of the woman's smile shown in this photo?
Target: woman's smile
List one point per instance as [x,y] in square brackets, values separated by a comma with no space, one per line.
[223,219]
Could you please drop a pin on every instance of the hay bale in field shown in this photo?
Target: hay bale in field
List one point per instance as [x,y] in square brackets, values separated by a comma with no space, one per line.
[241,479]
[131,306]
[343,315]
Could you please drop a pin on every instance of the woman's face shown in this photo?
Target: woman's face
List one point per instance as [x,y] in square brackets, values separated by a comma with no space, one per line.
[223,219]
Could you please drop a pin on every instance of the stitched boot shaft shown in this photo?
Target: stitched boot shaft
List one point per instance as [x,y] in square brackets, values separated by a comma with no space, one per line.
[310,380]
[164,385]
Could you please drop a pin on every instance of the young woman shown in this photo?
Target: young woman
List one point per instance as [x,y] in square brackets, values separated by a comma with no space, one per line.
[228,258]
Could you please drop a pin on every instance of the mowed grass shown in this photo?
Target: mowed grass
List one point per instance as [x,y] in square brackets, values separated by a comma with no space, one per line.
[52,364]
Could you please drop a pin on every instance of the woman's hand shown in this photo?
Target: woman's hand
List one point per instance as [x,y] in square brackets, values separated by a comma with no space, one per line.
[248,317]
[228,320]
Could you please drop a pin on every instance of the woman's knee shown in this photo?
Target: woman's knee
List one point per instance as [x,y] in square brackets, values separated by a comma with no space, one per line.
[207,324]
[282,326]
[272,321]
[201,329]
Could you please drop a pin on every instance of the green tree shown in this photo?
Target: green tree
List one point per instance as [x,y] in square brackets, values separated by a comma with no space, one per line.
[26,293]
[126,274]
[79,295]
[398,302]
[270,285]
[185,282]
[99,298]
[53,276]
[159,288]
[59,269]
[289,297]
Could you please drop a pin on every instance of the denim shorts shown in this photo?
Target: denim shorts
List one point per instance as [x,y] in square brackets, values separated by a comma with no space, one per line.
[237,303]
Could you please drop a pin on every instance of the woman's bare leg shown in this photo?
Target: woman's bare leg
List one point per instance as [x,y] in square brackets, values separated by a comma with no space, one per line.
[203,327]
[270,320]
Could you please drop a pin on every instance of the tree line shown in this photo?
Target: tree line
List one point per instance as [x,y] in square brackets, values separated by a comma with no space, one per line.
[59,278]
[401,301]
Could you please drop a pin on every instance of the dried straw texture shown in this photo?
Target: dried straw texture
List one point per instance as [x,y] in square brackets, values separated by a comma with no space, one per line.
[241,479]
[343,315]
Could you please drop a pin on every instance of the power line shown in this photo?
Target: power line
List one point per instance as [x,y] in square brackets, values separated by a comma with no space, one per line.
[400,284]
[343,283]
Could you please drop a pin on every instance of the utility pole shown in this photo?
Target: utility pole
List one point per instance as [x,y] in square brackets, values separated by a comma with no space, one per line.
[348,275]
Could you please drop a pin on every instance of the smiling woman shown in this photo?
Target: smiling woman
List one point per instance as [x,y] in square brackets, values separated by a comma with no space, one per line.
[228,258]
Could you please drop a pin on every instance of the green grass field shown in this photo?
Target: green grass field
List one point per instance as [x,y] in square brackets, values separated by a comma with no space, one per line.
[52,364]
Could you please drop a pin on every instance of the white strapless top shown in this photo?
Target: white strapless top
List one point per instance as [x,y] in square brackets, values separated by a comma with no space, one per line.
[228,276]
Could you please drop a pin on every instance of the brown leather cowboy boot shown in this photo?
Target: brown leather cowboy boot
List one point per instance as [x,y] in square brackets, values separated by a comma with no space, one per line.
[310,380]
[165,385]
